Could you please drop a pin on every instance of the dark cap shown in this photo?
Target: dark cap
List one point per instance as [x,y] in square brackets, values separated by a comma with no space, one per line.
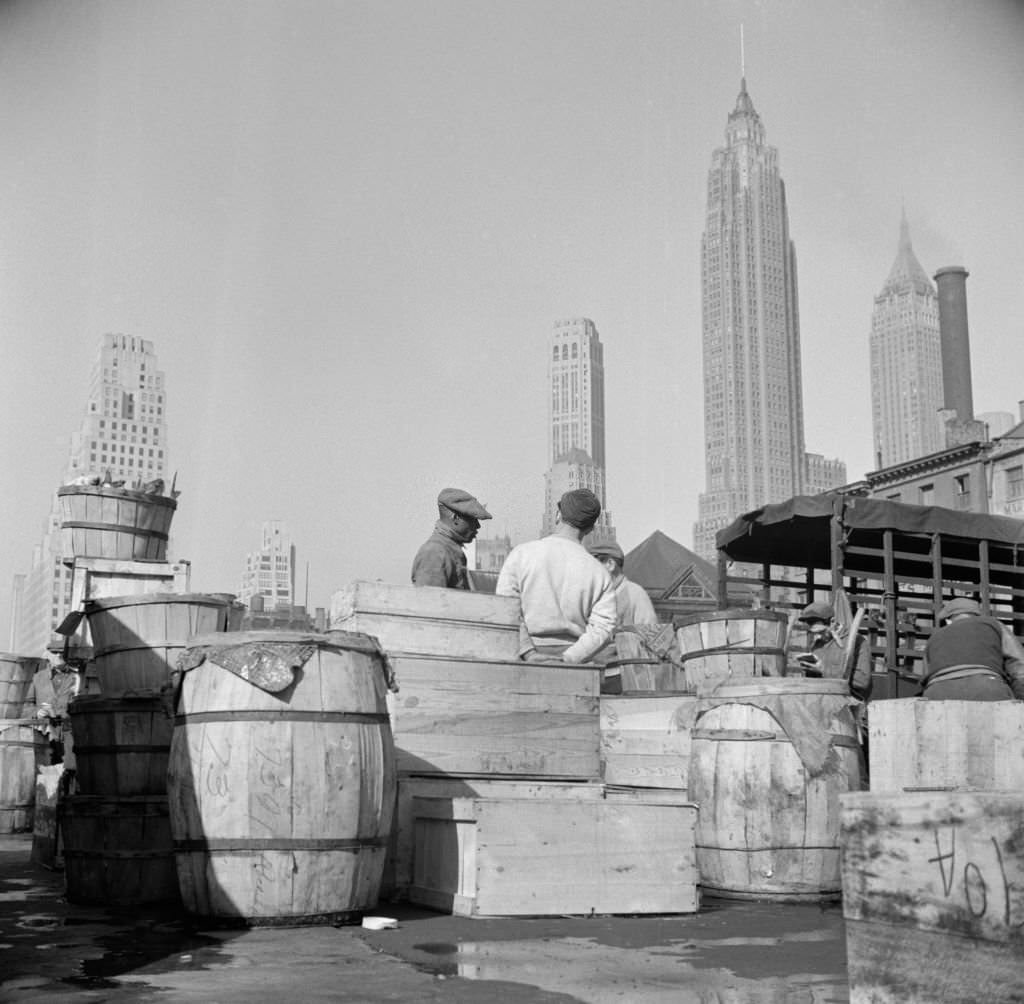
[580,508]
[607,550]
[959,605]
[817,612]
[462,502]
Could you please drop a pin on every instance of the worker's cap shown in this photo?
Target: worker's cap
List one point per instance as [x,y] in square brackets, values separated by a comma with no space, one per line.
[959,605]
[607,550]
[462,502]
[817,612]
[580,508]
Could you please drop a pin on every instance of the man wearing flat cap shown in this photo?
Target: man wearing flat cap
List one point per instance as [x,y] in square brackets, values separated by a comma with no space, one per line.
[441,560]
[972,657]
[632,603]
[827,656]
[567,598]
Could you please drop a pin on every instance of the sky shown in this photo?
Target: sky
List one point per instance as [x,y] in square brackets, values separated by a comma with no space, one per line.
[349,228]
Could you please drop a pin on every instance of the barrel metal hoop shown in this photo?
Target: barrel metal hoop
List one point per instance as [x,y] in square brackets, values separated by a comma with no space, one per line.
[115,527]
[202,717]
[99,855]
[732,650]
[18,744]
[756,735]
[244,845]
[121,748]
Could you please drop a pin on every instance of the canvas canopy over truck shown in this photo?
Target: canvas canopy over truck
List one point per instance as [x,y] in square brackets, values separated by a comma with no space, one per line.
[899,562]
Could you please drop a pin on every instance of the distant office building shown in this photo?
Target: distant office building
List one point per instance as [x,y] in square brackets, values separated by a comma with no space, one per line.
[490,552]
[269,574]
[576,457]
[753,405]
[123,431]
[906,362]
[823,474]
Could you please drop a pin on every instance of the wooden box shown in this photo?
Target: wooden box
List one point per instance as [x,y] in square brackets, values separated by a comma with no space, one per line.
[430,621]
[481,857]
[398,865]
[645,739]
[933,896]
[914,744]
[485,717]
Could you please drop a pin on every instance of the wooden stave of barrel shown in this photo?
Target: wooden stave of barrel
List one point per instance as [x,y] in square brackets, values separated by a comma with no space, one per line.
[735,642]
[100,521]
[742,765]
[23,749]
[137,639]
[16,672]
[229,870]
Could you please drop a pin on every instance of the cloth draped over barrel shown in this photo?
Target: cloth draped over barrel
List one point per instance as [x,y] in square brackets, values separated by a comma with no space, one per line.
[272,664]
[804,722]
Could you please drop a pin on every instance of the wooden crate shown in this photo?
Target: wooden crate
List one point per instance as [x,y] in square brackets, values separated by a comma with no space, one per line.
[486,717]
[933,896]
[426,620]
[645,739]
[480,857]
[399,861]
[917,745]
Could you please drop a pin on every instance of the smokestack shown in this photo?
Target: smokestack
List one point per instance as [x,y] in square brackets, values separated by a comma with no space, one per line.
[951,283]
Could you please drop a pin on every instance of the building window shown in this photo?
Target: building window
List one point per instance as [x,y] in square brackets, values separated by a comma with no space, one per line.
[1015,482]
[963,491]
[926,495]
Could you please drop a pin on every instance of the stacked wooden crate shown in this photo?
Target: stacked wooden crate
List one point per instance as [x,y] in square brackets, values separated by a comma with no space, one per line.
[501,808]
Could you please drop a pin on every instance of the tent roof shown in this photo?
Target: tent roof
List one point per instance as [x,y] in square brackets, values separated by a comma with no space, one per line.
[659,563]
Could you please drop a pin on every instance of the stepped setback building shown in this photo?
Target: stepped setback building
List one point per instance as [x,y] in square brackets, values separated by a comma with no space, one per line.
[576,457]
[123,431]
[906,362]
[753,402]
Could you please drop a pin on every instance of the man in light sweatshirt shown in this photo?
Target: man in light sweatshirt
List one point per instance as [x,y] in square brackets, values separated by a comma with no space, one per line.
[567,598]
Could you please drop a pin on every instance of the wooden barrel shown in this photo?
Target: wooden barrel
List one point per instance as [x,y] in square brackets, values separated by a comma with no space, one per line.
[16,672]
[137,639]
[49,781]
[726,643]
[22,750]
[118,851]
[769,759]
[282,802]
[933,896]
[919,745]
[104,522]
[642,668]
[121,745]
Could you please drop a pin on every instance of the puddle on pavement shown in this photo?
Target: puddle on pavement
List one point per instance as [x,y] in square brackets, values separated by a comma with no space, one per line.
[597,973]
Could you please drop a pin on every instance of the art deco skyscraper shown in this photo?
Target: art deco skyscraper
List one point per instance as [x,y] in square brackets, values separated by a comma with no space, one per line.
[906,362]
[123,430]
[576,420]
[270,571]
[753,405]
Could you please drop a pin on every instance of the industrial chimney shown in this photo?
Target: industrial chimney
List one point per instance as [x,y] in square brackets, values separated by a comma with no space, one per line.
[951,283]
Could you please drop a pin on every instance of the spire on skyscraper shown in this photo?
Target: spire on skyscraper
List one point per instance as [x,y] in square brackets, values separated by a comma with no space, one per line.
[906,271]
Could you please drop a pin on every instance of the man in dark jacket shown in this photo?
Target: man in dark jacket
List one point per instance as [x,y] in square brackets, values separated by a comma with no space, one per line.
[441,561]
[972,657]
[826,656]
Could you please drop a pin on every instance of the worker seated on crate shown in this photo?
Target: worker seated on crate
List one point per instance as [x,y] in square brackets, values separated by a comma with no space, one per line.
[831,655]
[972,657]
[567,599]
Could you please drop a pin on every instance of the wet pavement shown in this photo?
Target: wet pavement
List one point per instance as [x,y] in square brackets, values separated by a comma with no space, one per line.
[729,953]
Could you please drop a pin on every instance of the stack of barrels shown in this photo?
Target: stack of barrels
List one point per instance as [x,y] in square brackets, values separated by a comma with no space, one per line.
[22,747]
[116,829]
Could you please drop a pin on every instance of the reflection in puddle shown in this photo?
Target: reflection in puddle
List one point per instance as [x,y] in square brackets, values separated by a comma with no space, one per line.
[603,974]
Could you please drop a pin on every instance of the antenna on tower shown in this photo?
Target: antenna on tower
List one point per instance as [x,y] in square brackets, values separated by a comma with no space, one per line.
[743,57]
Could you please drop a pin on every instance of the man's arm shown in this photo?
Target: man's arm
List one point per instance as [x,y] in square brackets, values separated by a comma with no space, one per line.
[600,627]
[1013,663]
[431,566]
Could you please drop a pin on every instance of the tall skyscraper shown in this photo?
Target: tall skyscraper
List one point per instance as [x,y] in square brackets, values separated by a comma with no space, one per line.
[576,457]
[123,430]
[906,362]
[753,405]
[270,571]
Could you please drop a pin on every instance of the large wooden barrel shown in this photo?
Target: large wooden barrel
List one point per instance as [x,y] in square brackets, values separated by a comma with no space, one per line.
[769,759]
[282,800]
[933,896]
[919,745]
[22,750]
[118,851]
[726,643]
[121,745]
[105,522]
[644,667]
[137,639]
[16,672]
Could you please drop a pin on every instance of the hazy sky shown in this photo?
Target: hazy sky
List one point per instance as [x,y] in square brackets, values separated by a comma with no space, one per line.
[349,227]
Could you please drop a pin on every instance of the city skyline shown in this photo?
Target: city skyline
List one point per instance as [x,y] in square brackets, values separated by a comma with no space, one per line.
[348,229]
